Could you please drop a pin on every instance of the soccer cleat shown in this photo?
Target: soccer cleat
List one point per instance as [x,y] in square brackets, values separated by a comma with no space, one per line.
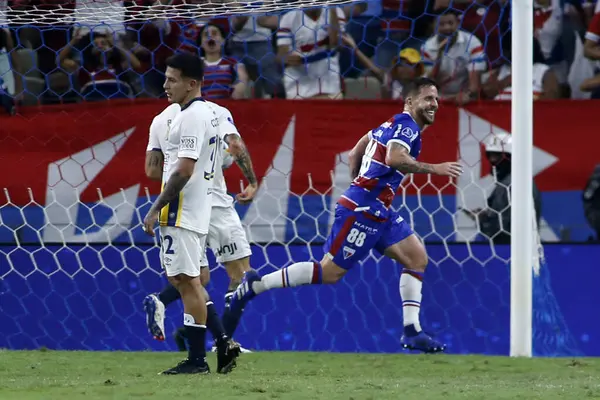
[226,355]
[244,292]
[188,367]
[422,342]
[155,316]
[243,350]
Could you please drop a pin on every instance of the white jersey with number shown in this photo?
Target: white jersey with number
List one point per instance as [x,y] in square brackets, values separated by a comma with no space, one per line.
[159,130]
[220,197]
[192,133]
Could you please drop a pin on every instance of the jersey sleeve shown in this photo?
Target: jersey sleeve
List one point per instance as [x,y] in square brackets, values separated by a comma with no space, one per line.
[226,124]
[193,130]
[285,33]
[153,143]
[402,133]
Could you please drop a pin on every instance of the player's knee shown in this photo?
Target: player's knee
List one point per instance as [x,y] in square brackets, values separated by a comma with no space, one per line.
[332,273]
[205,276]
[418,262]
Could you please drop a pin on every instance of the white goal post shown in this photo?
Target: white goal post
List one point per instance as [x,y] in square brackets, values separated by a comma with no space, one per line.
[522,213]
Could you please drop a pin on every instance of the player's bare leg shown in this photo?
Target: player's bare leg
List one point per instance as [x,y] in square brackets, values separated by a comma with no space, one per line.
[411,253]
[297,274]
[235,270]
[194,321]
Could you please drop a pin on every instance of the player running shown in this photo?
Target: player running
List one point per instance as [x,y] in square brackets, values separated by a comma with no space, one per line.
[364,219]
[226,235]
[192,152]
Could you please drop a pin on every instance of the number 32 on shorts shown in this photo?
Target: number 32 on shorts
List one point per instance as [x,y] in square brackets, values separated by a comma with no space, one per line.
[356,237]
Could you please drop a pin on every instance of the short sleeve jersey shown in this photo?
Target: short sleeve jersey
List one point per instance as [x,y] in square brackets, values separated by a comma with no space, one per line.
[220,198]
[374,188]
[194,133]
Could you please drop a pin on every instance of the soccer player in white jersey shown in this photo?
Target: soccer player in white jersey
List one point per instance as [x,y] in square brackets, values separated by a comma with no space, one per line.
[191,150]
[226,236]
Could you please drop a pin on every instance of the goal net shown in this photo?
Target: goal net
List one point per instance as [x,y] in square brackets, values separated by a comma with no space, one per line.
[75,263]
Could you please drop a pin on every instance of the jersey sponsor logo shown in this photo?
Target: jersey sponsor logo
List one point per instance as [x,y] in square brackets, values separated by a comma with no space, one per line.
[187,143]
[229,249]
[368,229]
[348,252]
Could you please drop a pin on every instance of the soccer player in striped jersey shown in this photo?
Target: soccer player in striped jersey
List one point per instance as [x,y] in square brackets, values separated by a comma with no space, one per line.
[364,219]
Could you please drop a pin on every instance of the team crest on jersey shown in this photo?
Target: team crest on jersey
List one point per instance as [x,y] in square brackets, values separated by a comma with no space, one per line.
[348,252]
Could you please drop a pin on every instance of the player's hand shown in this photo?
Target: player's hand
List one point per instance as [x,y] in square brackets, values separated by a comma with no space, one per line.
[452,169]
[149,222]
[247,195]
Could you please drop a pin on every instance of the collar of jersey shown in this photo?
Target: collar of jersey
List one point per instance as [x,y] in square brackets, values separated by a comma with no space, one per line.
[192,102]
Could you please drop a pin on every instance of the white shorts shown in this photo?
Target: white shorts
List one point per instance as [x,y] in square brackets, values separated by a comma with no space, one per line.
[226,236]
[181,250]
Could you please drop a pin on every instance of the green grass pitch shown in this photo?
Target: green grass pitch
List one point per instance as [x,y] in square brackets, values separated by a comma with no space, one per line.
[28,375]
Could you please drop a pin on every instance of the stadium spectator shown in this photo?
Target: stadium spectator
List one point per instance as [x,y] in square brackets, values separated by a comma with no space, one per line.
[364,27]
[547,24]
[494,221]
[497,84]
[11,83]
[404,67]
[455,59]
[489,21]
[224,77]
[307,43]
[592,38]
[251,44]
[101,66]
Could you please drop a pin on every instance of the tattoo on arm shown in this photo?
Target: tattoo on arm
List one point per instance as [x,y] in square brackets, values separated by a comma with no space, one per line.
[242,158]
[174,185]
[406,164]
[154,159]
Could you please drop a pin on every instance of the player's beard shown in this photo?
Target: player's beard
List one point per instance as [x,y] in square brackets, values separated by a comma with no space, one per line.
[426,116]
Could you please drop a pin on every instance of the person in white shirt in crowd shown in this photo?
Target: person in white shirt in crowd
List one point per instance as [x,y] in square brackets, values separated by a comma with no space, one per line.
[497,84]
[455,59]
[307,42]
[251,44]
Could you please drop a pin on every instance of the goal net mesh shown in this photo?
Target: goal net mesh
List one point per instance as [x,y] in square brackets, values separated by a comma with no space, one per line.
[75,264]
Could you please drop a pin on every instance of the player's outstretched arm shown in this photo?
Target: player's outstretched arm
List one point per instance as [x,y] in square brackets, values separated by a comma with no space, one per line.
[399,158]
[175,184]
[240,153]
[356,154]
[154,162]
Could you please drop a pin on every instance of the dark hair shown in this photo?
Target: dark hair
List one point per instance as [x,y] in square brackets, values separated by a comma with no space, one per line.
[414,87]
[447,11]
[189,65]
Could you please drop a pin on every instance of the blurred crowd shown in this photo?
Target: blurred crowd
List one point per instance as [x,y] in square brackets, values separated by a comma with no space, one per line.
[56,51]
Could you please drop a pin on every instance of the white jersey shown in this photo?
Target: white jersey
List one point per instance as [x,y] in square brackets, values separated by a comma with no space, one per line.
[220,198]
[190,132]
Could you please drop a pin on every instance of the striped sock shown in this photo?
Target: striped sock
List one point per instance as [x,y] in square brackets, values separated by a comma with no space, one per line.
[298,274]
[411,283]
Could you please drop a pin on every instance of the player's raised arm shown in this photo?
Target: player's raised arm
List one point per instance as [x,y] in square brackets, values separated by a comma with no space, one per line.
[399,158]
[356,154]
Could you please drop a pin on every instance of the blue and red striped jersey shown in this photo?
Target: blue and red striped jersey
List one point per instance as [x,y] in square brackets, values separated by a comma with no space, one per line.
[219,78]
[374,188]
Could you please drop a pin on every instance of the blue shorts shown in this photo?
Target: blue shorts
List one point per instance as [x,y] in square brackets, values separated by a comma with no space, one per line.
[354,234]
